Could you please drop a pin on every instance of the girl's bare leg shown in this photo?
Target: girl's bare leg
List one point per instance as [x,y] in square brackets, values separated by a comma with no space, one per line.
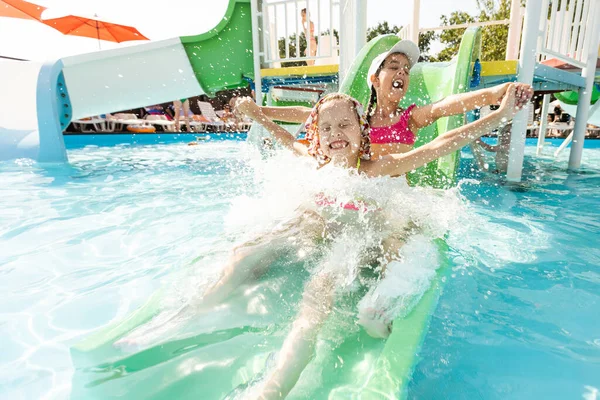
[374,320]
[249,260]
[405,280]
[299,346]
[177,107]
[186,115]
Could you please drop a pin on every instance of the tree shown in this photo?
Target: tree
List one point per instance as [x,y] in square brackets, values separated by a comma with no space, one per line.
[495,37]
[452,37]
[383,28]
[292,49]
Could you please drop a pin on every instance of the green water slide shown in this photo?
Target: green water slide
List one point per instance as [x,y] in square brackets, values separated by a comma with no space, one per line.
[572,97]
[222,57]
[210,362]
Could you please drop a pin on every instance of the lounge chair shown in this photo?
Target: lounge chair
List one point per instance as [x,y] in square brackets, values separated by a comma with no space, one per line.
[197,123]
[120,121]
[162,121]
[209,113]
[93,124]
[230,123]
[244,124]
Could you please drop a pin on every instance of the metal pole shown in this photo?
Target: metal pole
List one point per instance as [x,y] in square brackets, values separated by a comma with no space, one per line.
[346,36]
[585,94]
[98,34]
[514,30]
[525,75]
[414,31]
[256,52]
[543,124]
[361,26]
[564,144]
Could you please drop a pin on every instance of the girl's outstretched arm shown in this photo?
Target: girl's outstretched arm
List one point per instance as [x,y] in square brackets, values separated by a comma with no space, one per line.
[459,104]
[297,114]
[247,106]
[399,164]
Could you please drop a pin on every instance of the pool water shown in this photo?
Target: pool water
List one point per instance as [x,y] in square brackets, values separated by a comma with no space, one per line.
[83,245]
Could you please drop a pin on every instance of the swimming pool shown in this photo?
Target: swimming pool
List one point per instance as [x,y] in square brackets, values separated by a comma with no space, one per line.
[84,244]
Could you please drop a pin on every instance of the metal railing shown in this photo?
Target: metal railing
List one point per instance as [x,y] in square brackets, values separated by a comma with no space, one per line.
[282,21]
[565,35]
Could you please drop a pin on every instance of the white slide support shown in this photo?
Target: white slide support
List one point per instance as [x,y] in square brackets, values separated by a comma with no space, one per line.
[527,61]
[94,83]
[18,119]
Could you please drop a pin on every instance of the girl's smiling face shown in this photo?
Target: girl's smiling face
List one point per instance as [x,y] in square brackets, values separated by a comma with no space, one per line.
[393,78]
[339,130]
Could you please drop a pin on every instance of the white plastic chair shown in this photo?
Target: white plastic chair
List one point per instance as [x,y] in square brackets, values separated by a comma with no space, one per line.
[161,120]
[94,124]
[209,113]
[117,121]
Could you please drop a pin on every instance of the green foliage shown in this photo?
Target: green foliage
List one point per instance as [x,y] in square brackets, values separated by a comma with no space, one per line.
[383,28]
[494,38]
[451,38]
[292,49]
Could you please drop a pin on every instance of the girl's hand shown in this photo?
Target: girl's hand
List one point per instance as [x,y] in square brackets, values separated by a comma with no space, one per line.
[247,106]
[523,94]
[516,96]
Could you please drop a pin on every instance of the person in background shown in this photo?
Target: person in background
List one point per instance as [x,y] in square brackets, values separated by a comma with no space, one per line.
[182,107]
[501,148]
[557,113]
[229,118]
[309,32]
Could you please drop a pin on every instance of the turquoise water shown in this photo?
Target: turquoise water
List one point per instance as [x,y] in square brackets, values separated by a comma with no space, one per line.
[84,245]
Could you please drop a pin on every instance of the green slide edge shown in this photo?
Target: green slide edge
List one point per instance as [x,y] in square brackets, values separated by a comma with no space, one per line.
[400,354]
[99,345]
[399,357]
[222,57]
[572,97]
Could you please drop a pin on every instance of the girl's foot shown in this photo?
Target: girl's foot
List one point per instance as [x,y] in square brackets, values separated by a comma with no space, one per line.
[375,323]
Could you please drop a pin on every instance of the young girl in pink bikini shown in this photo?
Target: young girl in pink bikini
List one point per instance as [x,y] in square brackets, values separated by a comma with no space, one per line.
[394,130]
[339,142]
[338,132]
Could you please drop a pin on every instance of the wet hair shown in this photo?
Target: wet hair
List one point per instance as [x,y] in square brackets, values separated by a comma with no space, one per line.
[312,128]
[373,97]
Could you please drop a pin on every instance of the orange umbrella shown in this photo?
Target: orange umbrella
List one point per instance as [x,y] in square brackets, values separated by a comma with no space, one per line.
[71,24]
[94,28]
[20,9]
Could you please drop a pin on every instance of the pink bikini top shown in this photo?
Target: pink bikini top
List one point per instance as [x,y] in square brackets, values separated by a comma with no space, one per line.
[397,133]
[357,205]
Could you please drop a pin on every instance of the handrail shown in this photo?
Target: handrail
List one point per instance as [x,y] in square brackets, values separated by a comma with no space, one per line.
[272,27]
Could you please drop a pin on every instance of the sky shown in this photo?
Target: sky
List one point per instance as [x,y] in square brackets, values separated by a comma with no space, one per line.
[159,20]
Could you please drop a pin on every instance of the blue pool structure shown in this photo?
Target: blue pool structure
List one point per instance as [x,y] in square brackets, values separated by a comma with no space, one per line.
[85,243]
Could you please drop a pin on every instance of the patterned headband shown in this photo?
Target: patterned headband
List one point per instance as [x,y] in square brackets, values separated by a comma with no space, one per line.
[312,129]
